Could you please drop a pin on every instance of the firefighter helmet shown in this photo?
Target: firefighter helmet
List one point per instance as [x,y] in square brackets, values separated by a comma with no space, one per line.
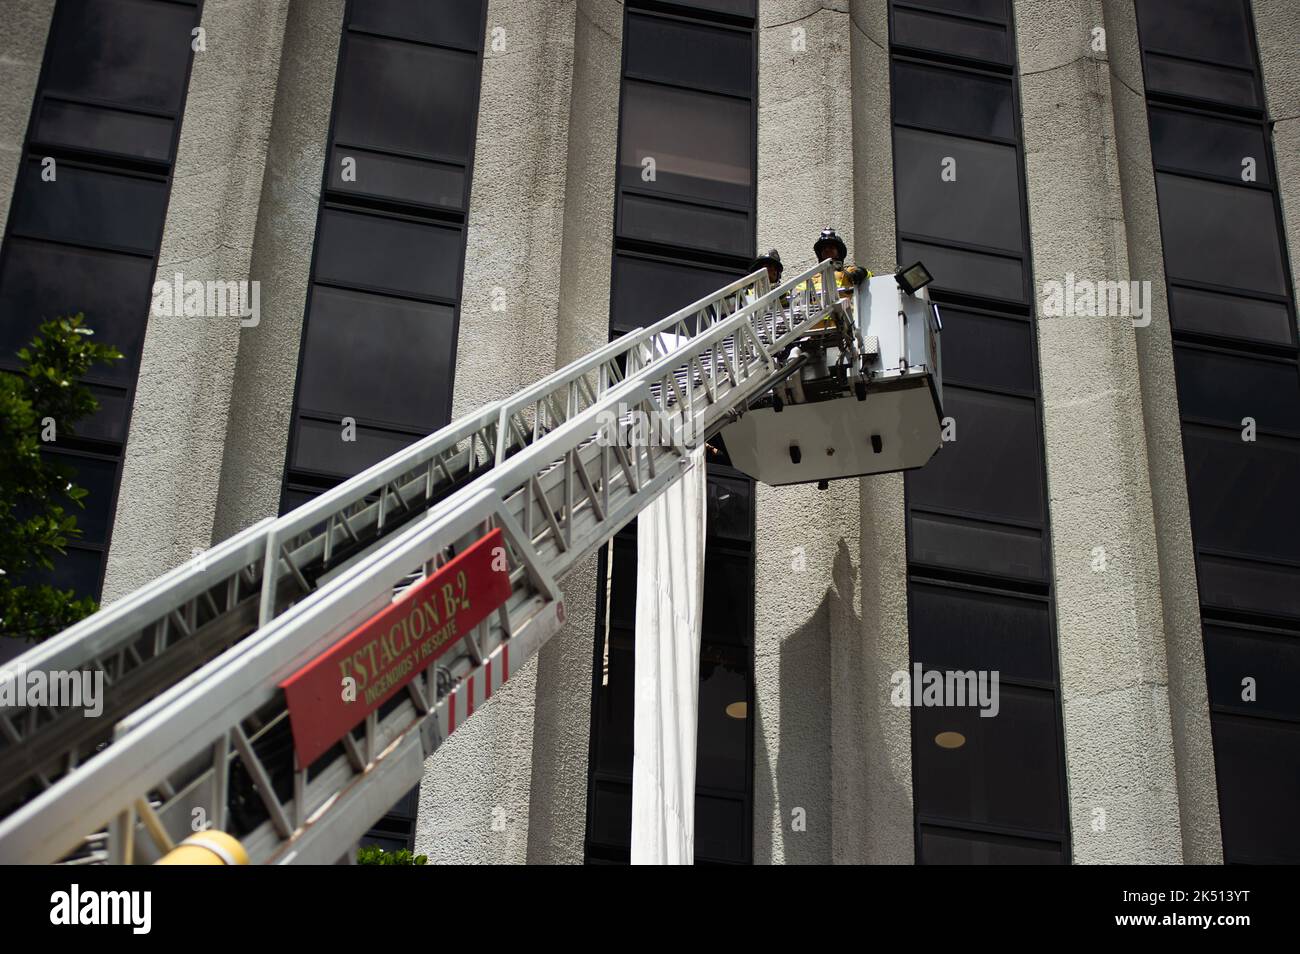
[771,260]
[828,237]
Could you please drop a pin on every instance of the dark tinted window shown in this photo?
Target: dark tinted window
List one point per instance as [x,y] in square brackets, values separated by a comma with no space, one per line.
[699,143]
[978,205]
[350,366]
[954,847]
[87,206]
[987,350]
[1220,234]
[992,469]
[952,101]
[1258,789]
[964,629]
[1005,772]
[445,22]
[1252,671]
[689,54]
[951,35]
[646,290]
[401,97]
[378,252]
[970,273]
[1217,31]
[124,52]
[1227,389]
[1213,147]
[1230,315]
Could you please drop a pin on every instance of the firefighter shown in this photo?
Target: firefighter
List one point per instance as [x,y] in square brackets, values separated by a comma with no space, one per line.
[847,277]
[772,262]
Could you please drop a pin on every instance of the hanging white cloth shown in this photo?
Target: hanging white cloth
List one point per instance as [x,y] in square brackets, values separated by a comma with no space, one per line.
[669,602]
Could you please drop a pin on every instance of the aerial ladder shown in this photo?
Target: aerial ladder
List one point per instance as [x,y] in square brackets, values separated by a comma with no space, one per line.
[198,731]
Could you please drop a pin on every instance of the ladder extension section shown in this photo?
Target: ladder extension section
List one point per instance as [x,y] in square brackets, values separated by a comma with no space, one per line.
[195,731]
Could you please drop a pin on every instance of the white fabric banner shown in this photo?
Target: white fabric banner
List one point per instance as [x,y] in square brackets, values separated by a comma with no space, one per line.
[669,602]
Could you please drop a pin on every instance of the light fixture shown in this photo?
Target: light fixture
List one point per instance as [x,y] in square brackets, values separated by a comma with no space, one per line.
[913,278]
[738,710]
[950,740]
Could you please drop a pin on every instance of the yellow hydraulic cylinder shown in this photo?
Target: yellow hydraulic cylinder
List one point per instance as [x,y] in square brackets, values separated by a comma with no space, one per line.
[207,848]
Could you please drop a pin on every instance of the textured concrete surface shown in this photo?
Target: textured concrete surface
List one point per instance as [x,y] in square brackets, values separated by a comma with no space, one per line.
[1107,588]
[22,47]
[1277,27]
[1197,796]
[871,768]
[507,339]
[257,431]
[803,535]
[187,367]
[562,726]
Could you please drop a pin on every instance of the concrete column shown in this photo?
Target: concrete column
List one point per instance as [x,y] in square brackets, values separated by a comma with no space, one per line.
[871,775]
[187,368]
[806,540]
[1128,637]
[22,48]
[286,204]
[562,725]
[474,800]
[1277,33]
[1198,801]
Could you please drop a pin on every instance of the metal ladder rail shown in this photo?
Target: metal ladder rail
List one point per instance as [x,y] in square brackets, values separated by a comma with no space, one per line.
[305,547]
[538,481]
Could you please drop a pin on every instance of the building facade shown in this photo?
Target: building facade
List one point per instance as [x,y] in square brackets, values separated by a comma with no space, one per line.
[442,202]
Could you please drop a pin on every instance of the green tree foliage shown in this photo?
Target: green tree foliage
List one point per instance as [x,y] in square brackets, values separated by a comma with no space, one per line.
[374,855]
[42,404]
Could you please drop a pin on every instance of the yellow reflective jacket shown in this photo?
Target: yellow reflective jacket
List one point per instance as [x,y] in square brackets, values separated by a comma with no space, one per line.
[847,277]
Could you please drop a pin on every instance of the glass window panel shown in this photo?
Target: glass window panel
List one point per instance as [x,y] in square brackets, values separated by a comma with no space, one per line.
[103,130]
[398,97]
[966,629]
[125,52]
[723,731]
[1228,388]
[1006,773]
[743,8]
[622,595]
[690,54]
[1248,586]
[728,598]
[1212,147]
[985,350]
[982,205]
[1216,84]
[446,22]
[90,208]
[1216,30]
[1230,315]
[993,9]
[730,509]
[993,469]
[646,290]
[970,272]
[1220,234]
[1259,789]
[614,710]
[412,181]
[944,847]
[720,829]
[976,546]
[377,358]
[41,281]
[976,41]
[952,101]
[391,254]
[683,224]
[1238,491]
[80,570]
[109,422]
[702,145]
[99,477]
[610,820]
[320,447]
[1272,660]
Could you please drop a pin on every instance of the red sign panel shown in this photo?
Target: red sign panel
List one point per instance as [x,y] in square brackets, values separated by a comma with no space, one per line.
[334,692]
